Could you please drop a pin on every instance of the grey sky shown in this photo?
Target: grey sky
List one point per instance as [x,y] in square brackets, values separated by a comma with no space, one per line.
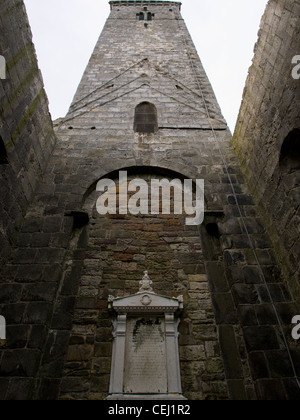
[224,32]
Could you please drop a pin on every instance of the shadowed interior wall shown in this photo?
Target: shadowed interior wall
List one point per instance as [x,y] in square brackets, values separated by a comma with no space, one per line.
[269,114]
[26,131]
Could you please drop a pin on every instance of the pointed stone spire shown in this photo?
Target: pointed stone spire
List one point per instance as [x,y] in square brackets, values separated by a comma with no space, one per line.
[145,283]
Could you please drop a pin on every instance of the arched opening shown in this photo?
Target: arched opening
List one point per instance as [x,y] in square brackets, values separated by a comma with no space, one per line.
[149,16]
[284,203]
[211,238]
[141,16]
[145,118]
[289,159]
[3,154]
[213,230]
[118,249]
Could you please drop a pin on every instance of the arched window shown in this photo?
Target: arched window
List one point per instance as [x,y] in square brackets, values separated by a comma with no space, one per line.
[141,16]
[289,159]
[287,172]
[211,241]
[3,154]
[149,16]
[145,119]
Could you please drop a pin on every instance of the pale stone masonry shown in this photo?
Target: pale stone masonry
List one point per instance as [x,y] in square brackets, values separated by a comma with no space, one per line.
[269,114]
[67,259]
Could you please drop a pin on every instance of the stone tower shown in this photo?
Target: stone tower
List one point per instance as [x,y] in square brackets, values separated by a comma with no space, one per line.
[145,106]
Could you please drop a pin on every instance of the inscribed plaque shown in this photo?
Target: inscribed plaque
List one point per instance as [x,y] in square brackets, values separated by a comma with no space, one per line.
[145,356]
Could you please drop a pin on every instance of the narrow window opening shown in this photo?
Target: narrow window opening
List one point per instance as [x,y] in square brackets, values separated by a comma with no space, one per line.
[213,230]
[3,154]
[210,236]
[145,119]
[141,16]
[149,16]
[289,159]
[80,219]
[145,9]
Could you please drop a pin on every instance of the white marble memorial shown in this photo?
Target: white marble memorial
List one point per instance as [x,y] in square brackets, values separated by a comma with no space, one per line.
[145,359]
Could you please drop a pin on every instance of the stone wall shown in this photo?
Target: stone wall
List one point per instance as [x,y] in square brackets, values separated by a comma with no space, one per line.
[26,132]
[119,249]
[267,136]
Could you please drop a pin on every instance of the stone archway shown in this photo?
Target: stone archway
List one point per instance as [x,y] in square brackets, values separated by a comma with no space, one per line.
[118,249]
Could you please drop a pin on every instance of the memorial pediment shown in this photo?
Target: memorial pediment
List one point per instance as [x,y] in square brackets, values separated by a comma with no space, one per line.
[146,302]
[145,363]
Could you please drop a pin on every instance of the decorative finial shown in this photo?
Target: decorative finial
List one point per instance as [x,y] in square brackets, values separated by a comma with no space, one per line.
[145,283]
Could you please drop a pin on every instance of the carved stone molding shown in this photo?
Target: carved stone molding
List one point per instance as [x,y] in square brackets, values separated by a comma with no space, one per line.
[145,360]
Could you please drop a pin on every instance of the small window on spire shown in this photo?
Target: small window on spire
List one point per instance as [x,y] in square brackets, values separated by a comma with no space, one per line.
[145,119]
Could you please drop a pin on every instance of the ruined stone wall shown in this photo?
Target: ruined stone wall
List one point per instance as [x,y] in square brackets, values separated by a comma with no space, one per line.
[26,132]
[267,136]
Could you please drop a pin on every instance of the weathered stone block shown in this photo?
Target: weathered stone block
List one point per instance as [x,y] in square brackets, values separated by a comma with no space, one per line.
[217,277]
[103,349]
[266,315]
[49,389]
[79,352]
[279,364]
[101,365]
[224,308]
[17,336]
[70,385]
[237,390]
[20,389]
[39,292]
[10,293]
[270,390]
[21,362]
[13,313]
[192,353]
[258,365]
[63,316]
[231,354]
[37,337]
[260,338]
[244,294]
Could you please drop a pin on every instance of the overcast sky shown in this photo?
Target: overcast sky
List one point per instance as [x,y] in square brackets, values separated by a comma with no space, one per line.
[224,32]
